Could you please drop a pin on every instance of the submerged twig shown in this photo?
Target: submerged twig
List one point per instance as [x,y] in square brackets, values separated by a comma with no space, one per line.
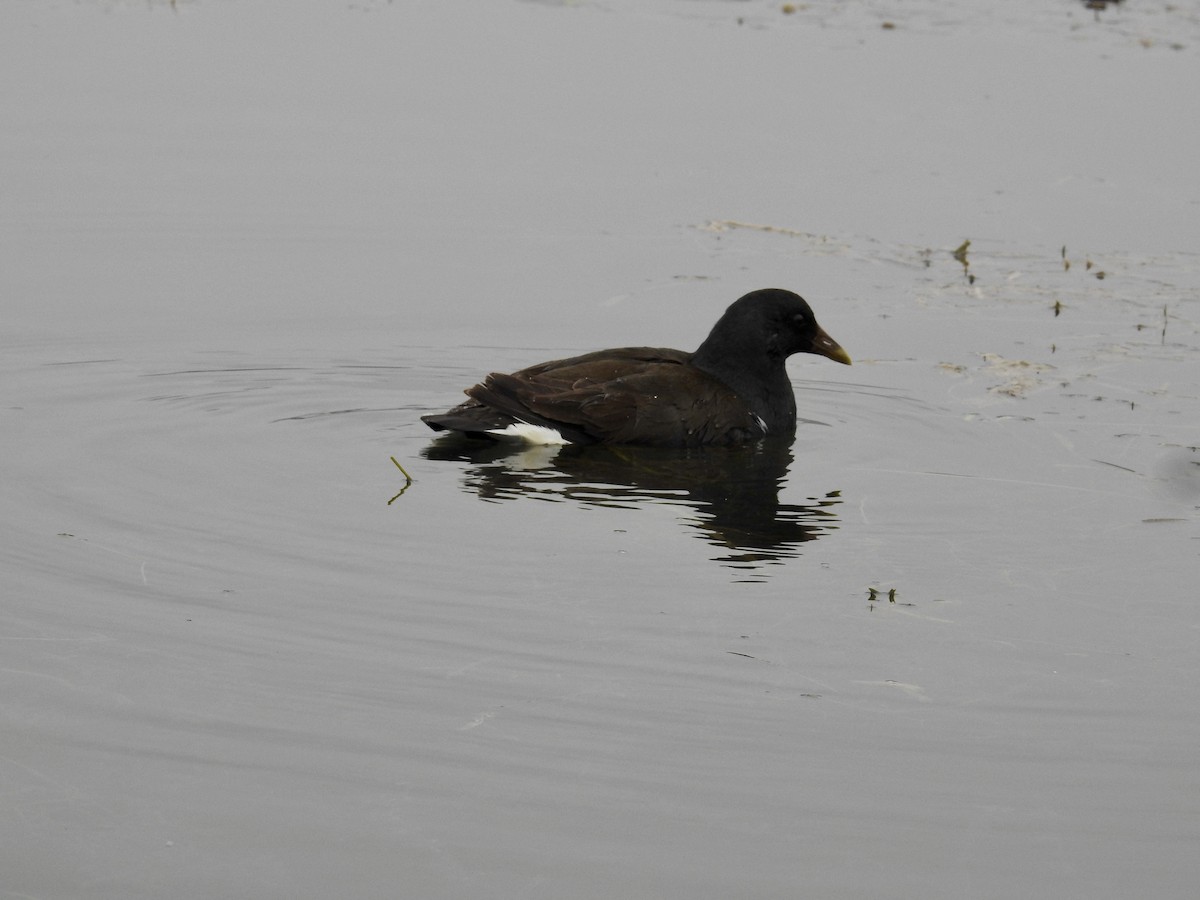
[407,480]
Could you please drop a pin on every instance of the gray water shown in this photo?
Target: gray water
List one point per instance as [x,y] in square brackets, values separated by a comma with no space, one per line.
[942,645]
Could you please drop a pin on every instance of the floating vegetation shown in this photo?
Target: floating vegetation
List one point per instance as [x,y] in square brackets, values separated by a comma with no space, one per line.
[875,595]
[1167,317]
[1088,265]
[731,224]
[960,255]
[1163,334]
[407,481]
[1021,375]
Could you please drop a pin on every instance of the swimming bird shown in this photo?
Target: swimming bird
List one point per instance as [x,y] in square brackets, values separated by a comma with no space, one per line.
[734,388]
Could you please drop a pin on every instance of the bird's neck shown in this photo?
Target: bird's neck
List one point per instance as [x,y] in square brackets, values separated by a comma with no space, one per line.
[761,381]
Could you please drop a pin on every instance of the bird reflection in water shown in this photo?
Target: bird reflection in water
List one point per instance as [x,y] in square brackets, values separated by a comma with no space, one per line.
[731,494]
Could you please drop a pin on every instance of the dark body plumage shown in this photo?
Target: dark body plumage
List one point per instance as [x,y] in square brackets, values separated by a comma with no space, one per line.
[733,389]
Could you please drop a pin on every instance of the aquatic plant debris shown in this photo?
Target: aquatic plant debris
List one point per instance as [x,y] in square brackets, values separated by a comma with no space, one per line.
[875,595]
[408,480]
[960,255]
[1020,374]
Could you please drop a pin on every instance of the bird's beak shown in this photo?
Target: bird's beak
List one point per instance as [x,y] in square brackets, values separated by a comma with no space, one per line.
[824,345]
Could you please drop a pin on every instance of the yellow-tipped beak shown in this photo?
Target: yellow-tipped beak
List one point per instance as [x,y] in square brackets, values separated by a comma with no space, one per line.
[824,345]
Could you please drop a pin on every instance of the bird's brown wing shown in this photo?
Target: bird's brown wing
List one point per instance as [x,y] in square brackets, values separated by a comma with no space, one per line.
[634,396]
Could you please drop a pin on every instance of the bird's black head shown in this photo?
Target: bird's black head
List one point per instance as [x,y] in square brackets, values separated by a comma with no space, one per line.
[765,327]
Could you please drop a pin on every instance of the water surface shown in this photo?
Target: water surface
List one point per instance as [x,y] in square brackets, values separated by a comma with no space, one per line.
[942,645]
